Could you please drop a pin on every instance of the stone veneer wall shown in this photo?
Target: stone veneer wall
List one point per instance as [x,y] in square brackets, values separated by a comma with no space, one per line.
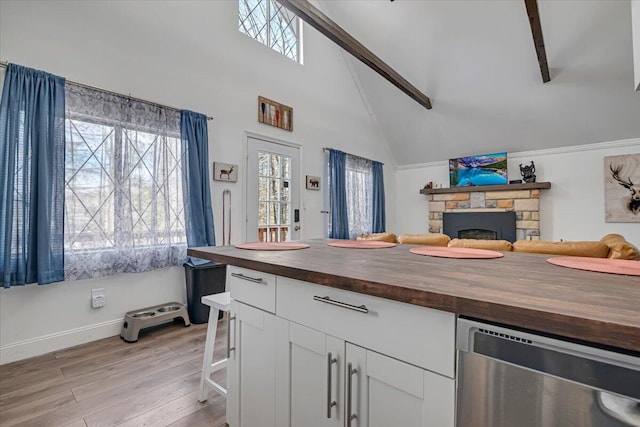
[526,204]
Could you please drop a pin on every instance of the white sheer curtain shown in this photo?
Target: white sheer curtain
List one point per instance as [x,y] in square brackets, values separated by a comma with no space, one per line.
[124,208]
[359,188]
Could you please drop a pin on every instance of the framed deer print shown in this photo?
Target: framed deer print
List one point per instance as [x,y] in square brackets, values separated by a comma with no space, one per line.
[225,172]
[622,188]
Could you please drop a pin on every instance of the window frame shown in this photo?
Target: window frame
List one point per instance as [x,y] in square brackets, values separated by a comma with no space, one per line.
[268,32]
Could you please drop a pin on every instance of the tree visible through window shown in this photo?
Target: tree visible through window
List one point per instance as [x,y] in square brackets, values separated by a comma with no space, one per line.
[272,25]
[124,209]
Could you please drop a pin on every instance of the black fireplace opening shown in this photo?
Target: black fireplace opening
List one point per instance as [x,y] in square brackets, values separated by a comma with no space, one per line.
[480,225]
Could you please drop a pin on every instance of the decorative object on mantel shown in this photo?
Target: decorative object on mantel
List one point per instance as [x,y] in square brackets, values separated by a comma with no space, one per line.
[527,172]
[272,246]
[275,114]
[225,172]
[602,265]
[313,182]
[622,188]
[485,169]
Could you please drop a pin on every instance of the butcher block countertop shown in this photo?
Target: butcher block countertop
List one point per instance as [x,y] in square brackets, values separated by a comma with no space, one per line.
[521,290]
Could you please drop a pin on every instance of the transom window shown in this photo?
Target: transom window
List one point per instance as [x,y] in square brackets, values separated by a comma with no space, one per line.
[272,25]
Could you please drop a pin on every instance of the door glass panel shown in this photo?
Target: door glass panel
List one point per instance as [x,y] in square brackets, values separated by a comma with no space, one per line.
[275,165]
[286,167]
[263,163]
[274,189]
[262,213]
[275,177]
[284,213]
[263,193]
[273,214]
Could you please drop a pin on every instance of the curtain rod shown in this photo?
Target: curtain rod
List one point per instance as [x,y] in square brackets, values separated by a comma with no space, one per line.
[329,148]
[4,64]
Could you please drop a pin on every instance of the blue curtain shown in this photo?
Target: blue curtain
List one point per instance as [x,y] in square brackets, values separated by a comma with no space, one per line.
[32,140]
[379,220]
[195,171]
[338,195]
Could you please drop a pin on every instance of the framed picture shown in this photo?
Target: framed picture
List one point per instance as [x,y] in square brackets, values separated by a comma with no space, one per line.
[485,169]
[313,182]
[225,172]
[275,114]
[622,188]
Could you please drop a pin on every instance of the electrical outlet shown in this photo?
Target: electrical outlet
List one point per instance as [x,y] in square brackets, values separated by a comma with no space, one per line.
[97,298]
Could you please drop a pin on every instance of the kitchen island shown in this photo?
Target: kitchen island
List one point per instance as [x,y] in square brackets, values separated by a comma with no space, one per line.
[521,290]
[327,336]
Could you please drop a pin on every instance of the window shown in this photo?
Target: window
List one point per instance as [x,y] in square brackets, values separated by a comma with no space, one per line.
[273,25]
[274,197]
[359,189]
[124,210]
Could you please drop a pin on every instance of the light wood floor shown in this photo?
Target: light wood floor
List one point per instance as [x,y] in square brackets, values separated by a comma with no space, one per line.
[153,382]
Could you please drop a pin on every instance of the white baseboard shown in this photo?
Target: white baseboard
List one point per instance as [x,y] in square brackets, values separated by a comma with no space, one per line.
[59,340]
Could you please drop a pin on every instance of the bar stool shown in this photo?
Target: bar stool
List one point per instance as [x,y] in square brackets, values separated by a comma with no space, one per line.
[217,302]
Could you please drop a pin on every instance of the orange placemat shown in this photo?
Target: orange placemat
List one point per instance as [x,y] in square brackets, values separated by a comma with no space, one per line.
[361,244]
[272,246]
[465,253]
[602,265]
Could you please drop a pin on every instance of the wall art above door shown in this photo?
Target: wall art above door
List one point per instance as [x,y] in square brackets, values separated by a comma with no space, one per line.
[275,114]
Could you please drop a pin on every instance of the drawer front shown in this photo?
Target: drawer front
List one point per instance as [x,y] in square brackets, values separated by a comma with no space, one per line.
[420,336]
[252,287]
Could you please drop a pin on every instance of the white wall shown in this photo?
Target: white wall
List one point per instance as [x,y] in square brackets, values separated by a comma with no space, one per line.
[572,209]
[186,54]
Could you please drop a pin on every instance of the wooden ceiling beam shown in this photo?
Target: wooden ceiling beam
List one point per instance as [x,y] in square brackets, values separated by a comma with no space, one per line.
[538,40]
[314,17]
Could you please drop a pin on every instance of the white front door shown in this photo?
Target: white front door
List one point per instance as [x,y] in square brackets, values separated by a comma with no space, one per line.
[273,194]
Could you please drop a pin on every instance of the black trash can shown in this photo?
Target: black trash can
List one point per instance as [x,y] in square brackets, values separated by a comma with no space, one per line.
[203,279]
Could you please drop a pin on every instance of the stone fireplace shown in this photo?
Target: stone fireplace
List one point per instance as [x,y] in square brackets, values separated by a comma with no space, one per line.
[522,199]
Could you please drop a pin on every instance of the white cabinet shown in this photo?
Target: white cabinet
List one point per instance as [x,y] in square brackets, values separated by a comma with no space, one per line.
[309,379]
[252,341]
[333,358]
[325,381]
[382,391]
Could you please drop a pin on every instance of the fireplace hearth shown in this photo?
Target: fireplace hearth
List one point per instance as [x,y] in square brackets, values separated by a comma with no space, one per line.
[521,200]
[480,225]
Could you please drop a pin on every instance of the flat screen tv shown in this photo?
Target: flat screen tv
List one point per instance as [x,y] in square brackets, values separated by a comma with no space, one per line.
[485,169]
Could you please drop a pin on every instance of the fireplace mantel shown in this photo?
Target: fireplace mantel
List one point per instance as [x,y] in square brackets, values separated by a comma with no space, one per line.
[523,199]
[477,188]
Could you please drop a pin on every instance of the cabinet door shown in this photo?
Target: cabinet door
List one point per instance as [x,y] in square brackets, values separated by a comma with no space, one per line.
[251,368]
[309,380]
[384,392]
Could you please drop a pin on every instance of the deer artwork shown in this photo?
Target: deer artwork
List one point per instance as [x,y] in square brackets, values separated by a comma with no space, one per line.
[226,172]
[634,199]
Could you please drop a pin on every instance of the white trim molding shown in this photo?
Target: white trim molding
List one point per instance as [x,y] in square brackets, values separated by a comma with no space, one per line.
[633,142]
[59,340]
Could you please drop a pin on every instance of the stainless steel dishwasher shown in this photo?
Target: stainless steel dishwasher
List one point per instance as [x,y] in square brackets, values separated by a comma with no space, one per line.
[509,378]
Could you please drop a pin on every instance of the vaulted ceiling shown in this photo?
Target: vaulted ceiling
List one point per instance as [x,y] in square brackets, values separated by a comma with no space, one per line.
[477,62]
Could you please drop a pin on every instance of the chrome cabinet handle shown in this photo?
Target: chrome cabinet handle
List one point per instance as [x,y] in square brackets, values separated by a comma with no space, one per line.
[330,403]
[350,416]
[229,348]
[359,308]
[250,279]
